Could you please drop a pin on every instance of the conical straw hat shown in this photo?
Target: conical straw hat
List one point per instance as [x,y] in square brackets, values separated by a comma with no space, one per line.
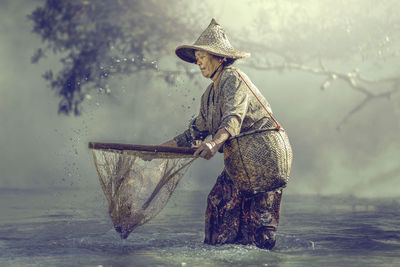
[214,41]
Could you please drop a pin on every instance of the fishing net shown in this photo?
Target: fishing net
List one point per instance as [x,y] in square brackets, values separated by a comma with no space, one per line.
[138,180]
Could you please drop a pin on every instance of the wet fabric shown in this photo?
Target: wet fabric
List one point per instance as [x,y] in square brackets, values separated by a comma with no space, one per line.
[233,218]
[231,106]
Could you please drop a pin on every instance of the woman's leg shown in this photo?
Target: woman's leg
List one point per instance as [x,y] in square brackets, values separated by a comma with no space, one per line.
[233,218]
[223,212]
[259,219]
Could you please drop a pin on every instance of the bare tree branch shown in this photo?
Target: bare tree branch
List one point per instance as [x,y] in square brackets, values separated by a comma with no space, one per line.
[353,79]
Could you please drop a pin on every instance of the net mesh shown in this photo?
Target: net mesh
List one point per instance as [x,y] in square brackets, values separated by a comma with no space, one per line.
[138,184]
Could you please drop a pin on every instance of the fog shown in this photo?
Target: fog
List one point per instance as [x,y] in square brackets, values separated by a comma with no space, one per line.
[41,149]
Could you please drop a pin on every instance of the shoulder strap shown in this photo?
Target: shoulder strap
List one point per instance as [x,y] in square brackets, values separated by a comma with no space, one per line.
[278,127]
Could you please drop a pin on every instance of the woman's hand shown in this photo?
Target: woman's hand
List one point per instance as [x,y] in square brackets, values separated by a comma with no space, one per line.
[206,150]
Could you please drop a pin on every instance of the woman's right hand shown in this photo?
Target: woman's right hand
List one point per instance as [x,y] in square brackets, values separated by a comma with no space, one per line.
[206,150]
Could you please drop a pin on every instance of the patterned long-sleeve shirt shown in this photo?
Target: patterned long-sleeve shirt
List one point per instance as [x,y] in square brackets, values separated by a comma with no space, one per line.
[230,105]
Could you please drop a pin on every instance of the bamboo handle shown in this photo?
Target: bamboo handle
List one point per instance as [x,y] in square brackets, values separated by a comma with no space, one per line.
[117,146]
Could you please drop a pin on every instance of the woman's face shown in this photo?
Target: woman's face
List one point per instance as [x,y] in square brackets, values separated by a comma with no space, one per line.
[206,62]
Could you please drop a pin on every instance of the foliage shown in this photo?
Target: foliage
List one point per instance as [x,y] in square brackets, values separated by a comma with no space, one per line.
[100,39]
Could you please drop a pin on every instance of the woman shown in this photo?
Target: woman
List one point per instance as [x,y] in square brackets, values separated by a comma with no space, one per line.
[231,105]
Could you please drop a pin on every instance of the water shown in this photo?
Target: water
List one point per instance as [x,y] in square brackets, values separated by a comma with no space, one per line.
[71,228]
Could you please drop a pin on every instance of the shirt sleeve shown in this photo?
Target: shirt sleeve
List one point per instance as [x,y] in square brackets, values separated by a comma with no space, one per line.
[234,107]
[197,130]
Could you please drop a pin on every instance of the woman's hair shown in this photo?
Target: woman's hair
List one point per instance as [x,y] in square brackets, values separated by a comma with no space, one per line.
[227,61]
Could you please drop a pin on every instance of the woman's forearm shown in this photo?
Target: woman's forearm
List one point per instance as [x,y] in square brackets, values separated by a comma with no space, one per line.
[220,137]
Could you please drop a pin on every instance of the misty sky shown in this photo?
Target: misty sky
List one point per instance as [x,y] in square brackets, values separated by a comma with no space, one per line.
[39,148]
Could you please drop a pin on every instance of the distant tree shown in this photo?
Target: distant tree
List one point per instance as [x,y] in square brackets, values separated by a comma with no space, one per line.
[307,35]
[100,39]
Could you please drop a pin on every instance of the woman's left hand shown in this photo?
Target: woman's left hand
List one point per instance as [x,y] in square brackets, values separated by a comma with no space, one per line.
[206,150]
